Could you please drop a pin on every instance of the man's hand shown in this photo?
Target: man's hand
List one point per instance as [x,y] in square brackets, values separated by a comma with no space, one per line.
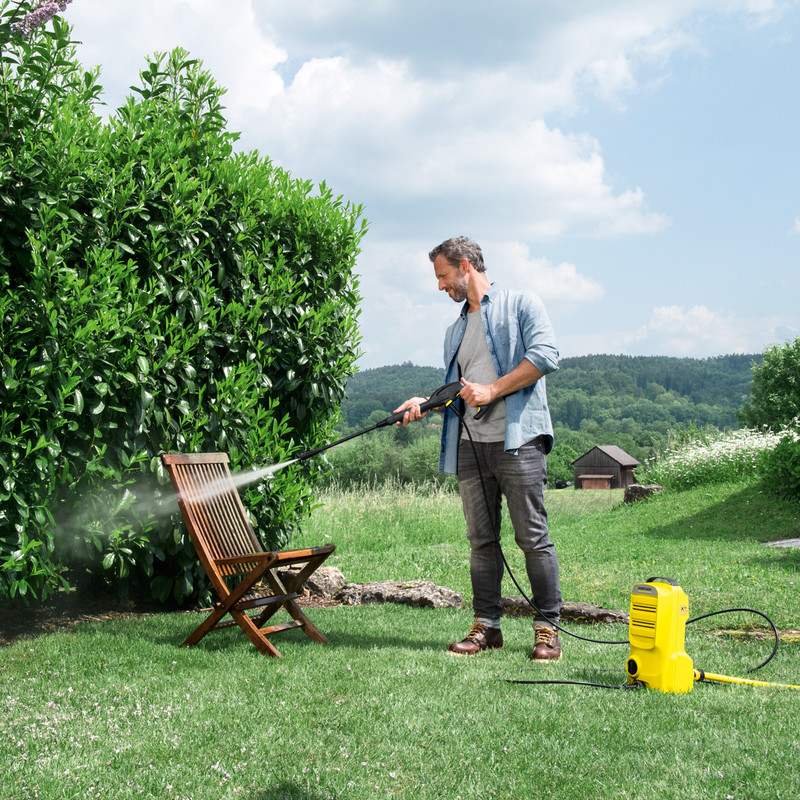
[413,413]
[477,394]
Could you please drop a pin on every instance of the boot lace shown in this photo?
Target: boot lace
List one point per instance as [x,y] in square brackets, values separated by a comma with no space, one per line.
[545,636]
[475,631]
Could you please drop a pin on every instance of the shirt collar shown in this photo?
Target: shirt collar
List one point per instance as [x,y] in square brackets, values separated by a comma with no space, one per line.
[492,291]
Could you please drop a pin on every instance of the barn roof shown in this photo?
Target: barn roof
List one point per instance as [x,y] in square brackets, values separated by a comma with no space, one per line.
[617,453]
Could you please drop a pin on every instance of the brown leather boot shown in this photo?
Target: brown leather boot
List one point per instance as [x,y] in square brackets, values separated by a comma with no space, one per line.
[546,645]
[479,638]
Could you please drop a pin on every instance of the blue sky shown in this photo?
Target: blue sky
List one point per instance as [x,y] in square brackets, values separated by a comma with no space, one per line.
[634,162]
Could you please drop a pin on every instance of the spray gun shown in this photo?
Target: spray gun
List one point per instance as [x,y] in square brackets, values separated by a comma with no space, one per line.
[443,397]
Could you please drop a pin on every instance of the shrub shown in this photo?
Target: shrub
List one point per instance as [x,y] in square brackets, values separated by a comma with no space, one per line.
[157,293]
[779,468]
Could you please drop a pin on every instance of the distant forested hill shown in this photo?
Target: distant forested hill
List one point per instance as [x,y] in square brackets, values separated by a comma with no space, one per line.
[633,395]
[650,392]
[385,388]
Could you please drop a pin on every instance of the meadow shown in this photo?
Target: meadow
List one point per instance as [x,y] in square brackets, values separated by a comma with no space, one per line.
[118,709]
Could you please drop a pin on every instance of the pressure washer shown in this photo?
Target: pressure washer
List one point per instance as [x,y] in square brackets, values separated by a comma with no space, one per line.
[656,630]
[659,608]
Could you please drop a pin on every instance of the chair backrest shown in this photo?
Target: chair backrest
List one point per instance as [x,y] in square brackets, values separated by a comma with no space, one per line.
[212,509]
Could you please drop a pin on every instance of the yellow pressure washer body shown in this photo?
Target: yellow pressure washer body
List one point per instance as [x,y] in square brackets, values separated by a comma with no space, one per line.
[657,629]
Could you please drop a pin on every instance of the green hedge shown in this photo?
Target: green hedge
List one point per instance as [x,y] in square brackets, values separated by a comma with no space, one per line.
[158,292]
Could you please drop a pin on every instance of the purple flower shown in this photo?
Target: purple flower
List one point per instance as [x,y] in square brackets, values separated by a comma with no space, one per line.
[43,13]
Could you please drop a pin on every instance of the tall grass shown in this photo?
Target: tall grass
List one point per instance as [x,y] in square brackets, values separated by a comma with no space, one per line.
[710,539]
[710,456]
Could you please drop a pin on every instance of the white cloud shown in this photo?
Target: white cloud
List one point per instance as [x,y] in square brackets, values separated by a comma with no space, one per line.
[118,38]
[700,332]
[368,131]
[449,118]
[512,265]
[469,143]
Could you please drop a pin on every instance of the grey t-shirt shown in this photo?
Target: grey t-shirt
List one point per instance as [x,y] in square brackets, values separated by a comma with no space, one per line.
[475,364]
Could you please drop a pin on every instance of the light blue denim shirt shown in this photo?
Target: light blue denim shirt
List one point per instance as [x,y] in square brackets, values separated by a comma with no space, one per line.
[517,326]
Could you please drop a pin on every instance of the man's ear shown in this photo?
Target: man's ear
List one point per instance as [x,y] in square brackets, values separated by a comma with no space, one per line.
[464,266]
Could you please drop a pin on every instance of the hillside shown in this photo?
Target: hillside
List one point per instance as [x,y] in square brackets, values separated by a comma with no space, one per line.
[634,395]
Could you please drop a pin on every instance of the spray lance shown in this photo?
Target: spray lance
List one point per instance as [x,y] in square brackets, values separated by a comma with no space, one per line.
[443,397]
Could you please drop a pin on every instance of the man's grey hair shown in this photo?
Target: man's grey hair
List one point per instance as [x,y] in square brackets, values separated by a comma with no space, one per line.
[457,248]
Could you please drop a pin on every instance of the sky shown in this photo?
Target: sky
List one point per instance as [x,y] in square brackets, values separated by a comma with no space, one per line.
[633,162]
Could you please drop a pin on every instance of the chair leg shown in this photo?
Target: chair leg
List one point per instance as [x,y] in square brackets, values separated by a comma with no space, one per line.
[306,624]
[291,606]
[255,635]
[207,625]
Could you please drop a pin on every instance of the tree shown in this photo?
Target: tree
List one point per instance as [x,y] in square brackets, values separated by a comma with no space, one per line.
[775,393]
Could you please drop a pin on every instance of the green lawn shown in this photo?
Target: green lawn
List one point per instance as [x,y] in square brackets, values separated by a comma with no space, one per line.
[117,709]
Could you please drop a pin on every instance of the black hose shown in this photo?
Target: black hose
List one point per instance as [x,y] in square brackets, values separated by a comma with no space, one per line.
[749,611]
[635,685]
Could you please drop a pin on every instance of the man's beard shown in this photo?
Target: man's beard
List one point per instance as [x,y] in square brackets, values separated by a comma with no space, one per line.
[459,294]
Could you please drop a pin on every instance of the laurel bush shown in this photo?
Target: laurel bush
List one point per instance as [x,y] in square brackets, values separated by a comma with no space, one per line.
[158,292]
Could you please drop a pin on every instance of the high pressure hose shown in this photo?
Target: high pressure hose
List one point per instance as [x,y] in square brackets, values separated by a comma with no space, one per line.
[700,675]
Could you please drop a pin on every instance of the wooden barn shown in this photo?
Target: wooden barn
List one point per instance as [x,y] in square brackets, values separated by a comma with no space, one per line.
[604,467]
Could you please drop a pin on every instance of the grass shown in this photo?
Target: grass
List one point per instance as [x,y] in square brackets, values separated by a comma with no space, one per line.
[117,710]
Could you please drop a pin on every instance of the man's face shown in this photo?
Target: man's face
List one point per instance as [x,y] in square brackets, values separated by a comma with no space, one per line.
[451,279]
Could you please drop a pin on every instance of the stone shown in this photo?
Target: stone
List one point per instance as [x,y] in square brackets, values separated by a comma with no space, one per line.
[421,594]
[638,491]
[325,582]
[785,543]
[570,611]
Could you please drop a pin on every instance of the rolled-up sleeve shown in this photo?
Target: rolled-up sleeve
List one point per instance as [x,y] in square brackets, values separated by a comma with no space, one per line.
[538,337]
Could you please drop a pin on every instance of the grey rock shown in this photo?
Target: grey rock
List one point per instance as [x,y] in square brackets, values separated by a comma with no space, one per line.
[326,582]
[422,594]
[638,491]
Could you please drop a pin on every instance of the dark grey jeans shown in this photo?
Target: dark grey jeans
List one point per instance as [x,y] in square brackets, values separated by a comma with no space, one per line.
[520,478]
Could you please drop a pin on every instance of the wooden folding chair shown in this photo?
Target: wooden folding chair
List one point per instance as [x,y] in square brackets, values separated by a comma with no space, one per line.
[243,575]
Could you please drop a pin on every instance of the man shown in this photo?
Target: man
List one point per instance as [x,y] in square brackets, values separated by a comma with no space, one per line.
[501,347]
